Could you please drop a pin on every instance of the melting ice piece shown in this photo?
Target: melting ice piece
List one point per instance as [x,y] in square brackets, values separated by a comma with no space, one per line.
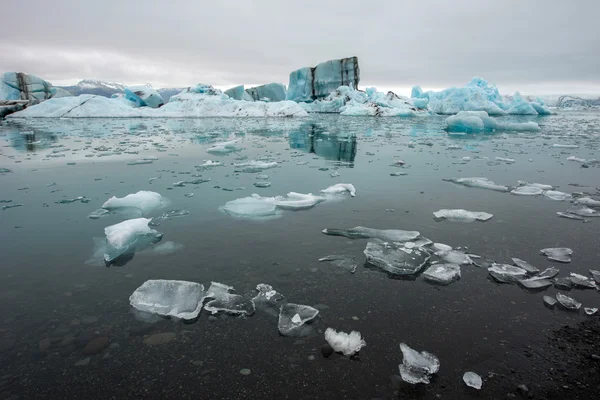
[227,302]
[525,265]
[549,302]
[340,188]
[548,273]
[395,258]
[588,201]
[595,275]
[292,318]
[345,343]
[454,256]
[506,273]
[462,215]
[144,201]
[249,207]
[442,274]
[583,211]
[417,367]
[558,196]
[127,237]
[223,147]
[473,380]
[293,202]
[478,182]
[506,160]
[535,283]
[563,283]
[590,311]
[255,166]
[542,186]
[568,302]
[527,191]
[565,146]
[174,213]
[582,281]
[262,184]
[347,263]
[267,298]
[180,299]
[560,254]
[419,243]
[360,232]
[210,163]
[98,213]
[570,216]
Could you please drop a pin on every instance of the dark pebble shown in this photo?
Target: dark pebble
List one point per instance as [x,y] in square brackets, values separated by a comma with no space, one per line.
[326,350]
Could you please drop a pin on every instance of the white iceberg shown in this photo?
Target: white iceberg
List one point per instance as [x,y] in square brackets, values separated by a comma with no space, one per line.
[127,237]
[480,121]
[346,343]
[144,201]
[340,188]
[172,298]
[462,215]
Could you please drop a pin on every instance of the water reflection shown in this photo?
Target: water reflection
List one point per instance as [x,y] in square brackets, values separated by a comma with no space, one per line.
[315,139]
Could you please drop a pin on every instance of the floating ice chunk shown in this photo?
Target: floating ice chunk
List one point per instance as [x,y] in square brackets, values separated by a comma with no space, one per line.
[249,207]
[548,273]
[227,302]
[480,121]
[527,191]
[340,188]
[570,216]
[294,201]
[292,318]
[576,159]
[506,160]
[463,215]
[180,299]
[442,274]
[560,254]
[262,184]
[223,147]
[563,283]
[454,257]
[506,273]
[525,265]
[441,247]
[556,195]
[417,367]
[347,263]
[590,311]
[210,163]
[583,212]
[174,214]
[267,299]
[98,213]
[595,275]
[588,201]
[144,201]
[473,380]
[256,166]
[144,96]
[308,84]
[568,302]
[395,258]
[360,232]
[478,182]
[127,237]
[140,162]
[565,146]
[582,281]
[549,302]
[542,186]
[419,243]
[345,343]
[535,283]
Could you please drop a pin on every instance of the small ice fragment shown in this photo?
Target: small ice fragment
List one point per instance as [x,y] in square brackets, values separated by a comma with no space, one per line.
[570,216]
[98,213]
[462,215]
[560,254]
[293,317]
[223,300]
[174,213]
[548,273]
[590,311]
[527,191]
[506,273]
[583,212]
[582,281]
[478,182]
[535,283]
[395,258]
[345,343]
[417,367]
[223,147]
[506,160]
[595,275]
[473,380]
[549,302]
[262,177]
[262,184]
[442,274]
[180,299]
[139,162]
[454,257]
[360,232]
[399,174]
[542,186]
[210,163]
[293,202]
[556,195]
[340,188]
[525,265]
[563,283]
[347,263]
[565,146]
[127,237]
[568,302]
[588,201]
[267,298]
[249,207]
[144,201]
[255,166]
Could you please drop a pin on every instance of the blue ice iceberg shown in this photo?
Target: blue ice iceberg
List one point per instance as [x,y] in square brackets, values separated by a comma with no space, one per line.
[311,83]
[239,93]
[18,90]
[480,121]
[268,92]
[478,95]
[144,96]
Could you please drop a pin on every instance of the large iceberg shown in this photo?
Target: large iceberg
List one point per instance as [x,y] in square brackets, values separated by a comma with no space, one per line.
[478,95]
[144,96]
[311,83]
[480,121]
[268,92]
[18,90]
[198,101]
[238,93]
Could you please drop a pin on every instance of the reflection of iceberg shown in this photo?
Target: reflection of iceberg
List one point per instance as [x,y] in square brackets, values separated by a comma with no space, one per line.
[314,139]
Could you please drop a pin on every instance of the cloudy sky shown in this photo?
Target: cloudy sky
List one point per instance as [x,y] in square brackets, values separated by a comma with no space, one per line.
[536,47]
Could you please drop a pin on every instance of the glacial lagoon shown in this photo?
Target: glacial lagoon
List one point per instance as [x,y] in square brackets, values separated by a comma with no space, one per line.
[67,316]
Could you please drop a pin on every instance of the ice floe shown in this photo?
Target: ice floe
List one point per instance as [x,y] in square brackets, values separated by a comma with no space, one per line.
[345,262]
[250,207]
[506,273]
[180,299]
[462,215]
[478,182]
[346,343]
[568,302]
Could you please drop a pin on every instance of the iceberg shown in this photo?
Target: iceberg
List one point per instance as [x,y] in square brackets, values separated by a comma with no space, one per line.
[395,258]
[556,195]
[340,188]
[480,121]
[360,232]
[311,83]
[223,300]
[238,93]
[478,95]
[144,96]
[169,298]
[346,343]
[19,90]
[143,201]
[193,102]
[463,215]
[443,274]
[268,92]
[417,367]
[126,237]
[293,317]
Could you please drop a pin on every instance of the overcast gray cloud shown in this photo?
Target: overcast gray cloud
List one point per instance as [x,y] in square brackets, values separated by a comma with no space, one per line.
[543,47]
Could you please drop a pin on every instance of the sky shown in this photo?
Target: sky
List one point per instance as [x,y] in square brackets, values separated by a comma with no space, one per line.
[535,47]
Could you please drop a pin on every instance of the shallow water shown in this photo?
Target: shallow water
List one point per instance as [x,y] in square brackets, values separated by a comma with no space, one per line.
[52,286]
